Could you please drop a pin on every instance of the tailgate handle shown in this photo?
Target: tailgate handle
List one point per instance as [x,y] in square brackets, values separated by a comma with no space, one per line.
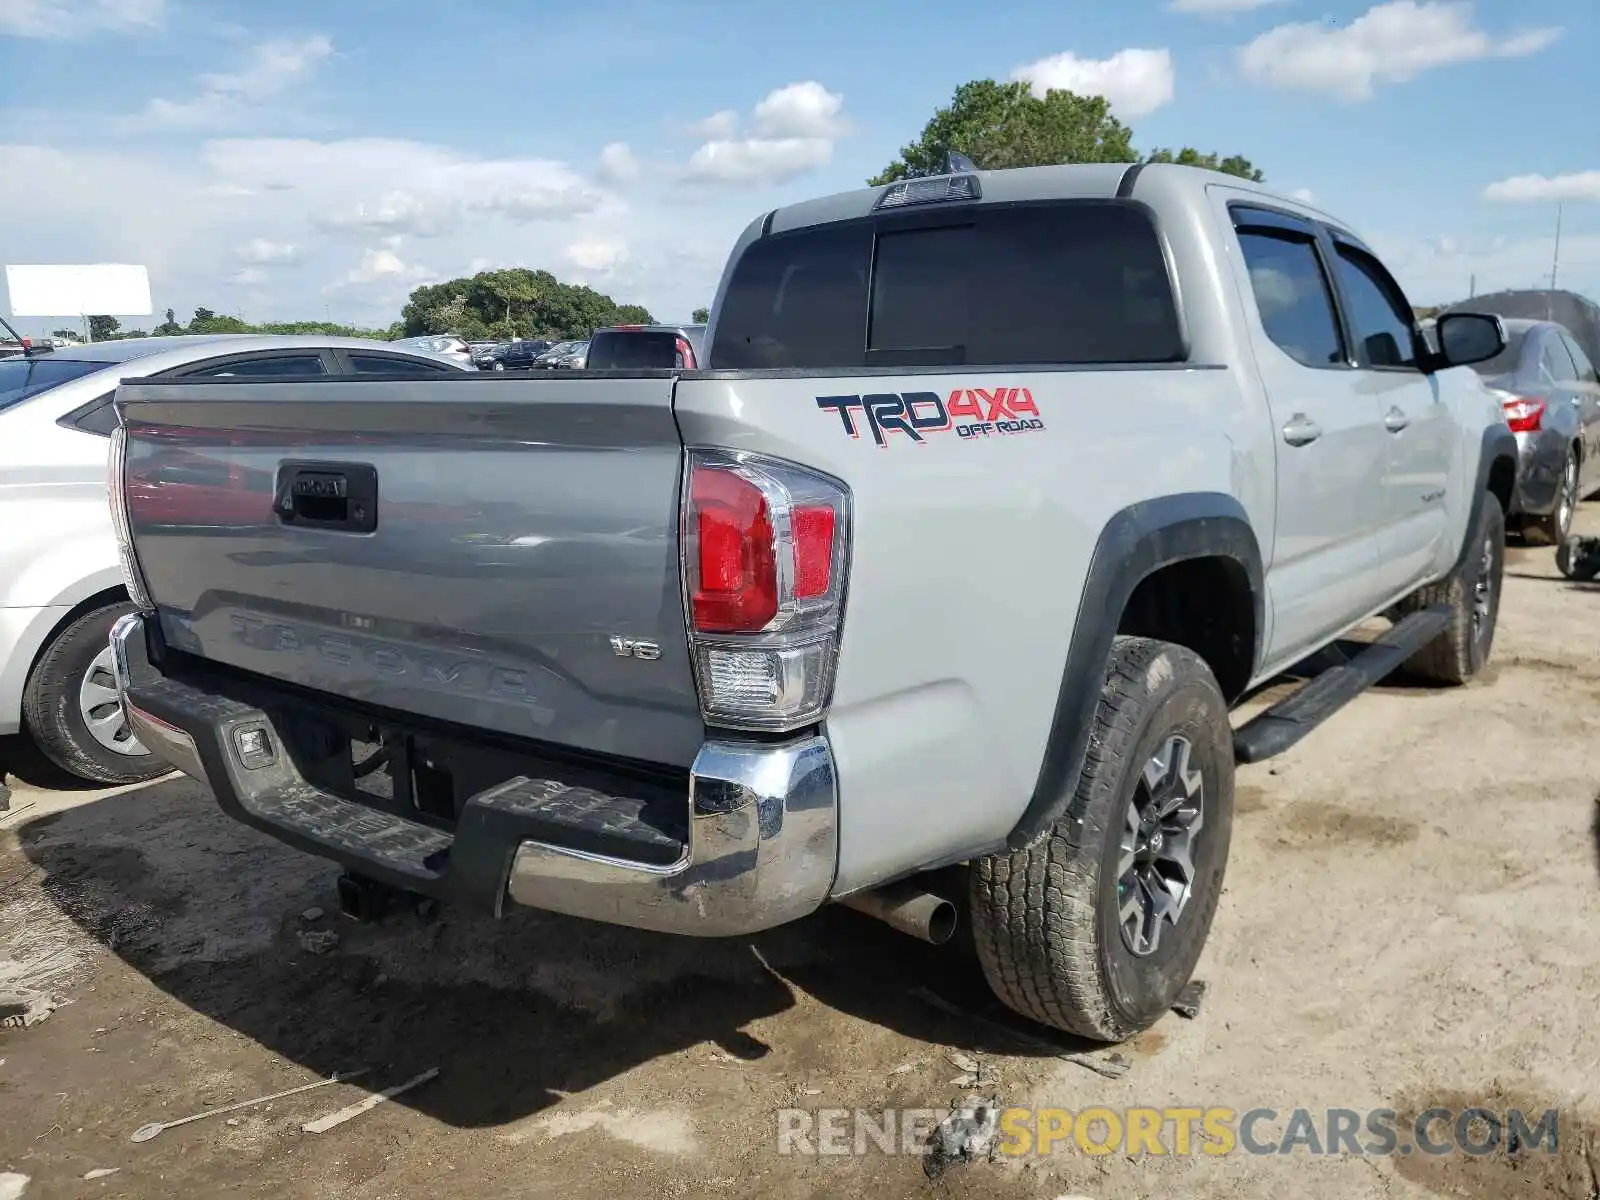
[328,495]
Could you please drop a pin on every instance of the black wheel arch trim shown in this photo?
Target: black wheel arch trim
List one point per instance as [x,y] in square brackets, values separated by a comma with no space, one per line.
[1498,444]
[1135,543]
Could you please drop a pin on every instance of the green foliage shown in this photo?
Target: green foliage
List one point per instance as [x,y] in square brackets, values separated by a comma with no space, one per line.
[104,329]
[1234,164]
[1000,125]
[701,315]
[513,303]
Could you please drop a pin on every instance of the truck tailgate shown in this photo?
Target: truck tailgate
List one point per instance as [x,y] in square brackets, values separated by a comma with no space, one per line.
[499,553]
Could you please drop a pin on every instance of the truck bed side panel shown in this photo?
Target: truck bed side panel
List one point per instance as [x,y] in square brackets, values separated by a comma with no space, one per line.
[968,560]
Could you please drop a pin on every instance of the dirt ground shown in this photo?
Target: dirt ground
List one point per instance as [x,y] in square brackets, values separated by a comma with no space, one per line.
[1410,919]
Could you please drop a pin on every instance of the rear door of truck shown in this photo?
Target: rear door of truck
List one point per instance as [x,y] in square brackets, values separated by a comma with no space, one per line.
[497,552]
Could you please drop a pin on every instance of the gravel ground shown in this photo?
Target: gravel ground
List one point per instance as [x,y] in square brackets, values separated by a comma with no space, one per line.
[1410,917]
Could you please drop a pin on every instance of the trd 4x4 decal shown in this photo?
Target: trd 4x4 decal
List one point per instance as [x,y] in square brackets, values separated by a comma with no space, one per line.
[971,412]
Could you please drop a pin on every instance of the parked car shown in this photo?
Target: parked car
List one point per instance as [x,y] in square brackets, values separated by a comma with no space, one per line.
[445,345]
[520,355]
[1116,444]
[486,355]
[564,356]
[1577,314]
[632,347]
[60,583]
[1551,396]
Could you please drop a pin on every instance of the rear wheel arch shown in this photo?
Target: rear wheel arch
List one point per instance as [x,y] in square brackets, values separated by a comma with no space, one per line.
[1147,556]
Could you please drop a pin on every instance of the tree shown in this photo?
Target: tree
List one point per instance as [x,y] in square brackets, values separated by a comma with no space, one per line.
[999,125]
[1234,164]
[104,329]
[701,315]
[169,327]
[201,316]
[514,302]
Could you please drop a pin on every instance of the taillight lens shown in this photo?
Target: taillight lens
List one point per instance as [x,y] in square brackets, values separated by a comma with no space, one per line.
[765,549]
[1523,414]
[116,487]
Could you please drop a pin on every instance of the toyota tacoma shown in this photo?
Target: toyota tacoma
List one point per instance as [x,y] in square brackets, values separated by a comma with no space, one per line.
[991,495]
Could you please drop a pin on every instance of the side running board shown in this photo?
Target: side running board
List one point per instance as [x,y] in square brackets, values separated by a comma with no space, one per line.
[1272,732]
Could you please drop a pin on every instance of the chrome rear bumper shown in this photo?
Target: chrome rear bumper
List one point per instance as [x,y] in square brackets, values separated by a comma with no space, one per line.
[761,847]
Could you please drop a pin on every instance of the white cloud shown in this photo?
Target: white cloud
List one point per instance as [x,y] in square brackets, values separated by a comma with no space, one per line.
[1212,8]
[1134,82]
[262,252]
[78,18]
[617,164]
[793,131]
[721,124]
[800,110]
[383,264]
[224,97]
[386,185]
[116,204]
[1579,185]
[1304,195]
[1390,43]
[597,255]
[1442,268]
[759,160]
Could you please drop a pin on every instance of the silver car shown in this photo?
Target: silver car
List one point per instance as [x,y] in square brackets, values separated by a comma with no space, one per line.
[60,581]
[442,345]
[1551,396]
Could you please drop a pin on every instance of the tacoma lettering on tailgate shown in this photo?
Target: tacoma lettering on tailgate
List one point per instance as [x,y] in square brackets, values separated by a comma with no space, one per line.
[989,412]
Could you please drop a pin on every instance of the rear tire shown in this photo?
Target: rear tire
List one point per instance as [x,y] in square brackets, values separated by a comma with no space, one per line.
[1473,593]
[1049,921]
[70,707]
[1554,528]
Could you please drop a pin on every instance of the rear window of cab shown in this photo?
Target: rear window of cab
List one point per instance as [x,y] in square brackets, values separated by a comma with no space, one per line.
[1066,283]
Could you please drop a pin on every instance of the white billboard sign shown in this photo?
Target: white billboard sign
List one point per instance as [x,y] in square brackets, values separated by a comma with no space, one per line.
[90,289]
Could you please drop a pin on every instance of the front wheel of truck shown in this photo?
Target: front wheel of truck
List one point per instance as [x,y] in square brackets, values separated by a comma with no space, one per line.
[1096,927]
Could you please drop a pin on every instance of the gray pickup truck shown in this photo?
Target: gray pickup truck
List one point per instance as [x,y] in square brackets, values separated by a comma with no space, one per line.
[994,492]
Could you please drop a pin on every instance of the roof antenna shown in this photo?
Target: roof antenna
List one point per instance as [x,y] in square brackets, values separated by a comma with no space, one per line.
[955,161]
[28,348]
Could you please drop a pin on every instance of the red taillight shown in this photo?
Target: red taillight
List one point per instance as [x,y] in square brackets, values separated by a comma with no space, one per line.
[765,554]
[737,588]
[813,550]
[1524,414]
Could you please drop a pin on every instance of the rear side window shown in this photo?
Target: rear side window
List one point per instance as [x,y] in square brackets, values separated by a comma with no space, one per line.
[22,376]
[1586,371]
[1555,362]
[1293,297]
[634,350]
[384,364]
[1070,283]
[255,368]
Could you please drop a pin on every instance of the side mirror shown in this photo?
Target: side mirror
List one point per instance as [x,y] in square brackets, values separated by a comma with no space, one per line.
[1466,338]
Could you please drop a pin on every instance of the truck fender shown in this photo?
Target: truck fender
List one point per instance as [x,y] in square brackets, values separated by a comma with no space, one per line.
[1498,446]
[1136,542]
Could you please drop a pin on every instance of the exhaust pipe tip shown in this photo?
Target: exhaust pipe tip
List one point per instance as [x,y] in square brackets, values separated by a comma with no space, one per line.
[910,909]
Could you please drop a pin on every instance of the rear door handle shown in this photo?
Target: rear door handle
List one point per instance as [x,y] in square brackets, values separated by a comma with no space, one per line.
[1394,420]
[1301,430]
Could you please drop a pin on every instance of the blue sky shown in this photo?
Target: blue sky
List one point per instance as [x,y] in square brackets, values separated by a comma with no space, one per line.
[309,160]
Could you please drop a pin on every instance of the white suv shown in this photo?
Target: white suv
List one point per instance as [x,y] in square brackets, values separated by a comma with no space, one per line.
[60,583]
